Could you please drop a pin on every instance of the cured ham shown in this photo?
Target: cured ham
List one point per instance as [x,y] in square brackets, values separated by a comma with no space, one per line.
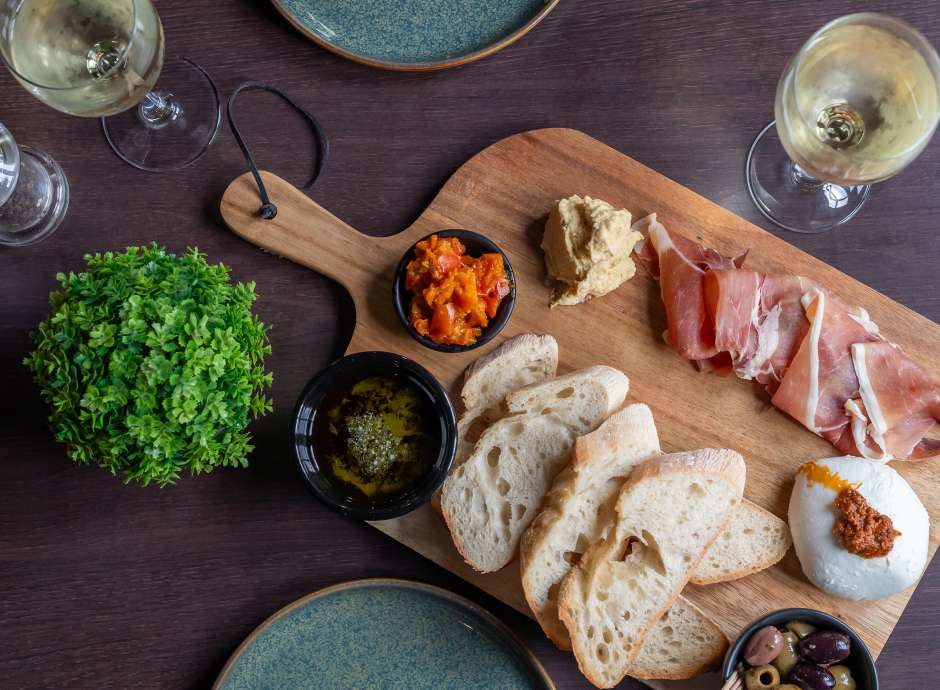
[681,265]
[758,320]
[823,362]
[897,404]
[821,378]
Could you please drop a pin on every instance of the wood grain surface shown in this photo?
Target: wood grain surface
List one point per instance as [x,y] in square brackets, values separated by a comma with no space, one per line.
[110,586]
[506,191]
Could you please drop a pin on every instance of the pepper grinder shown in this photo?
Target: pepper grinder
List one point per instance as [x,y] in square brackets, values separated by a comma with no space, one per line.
[34,193]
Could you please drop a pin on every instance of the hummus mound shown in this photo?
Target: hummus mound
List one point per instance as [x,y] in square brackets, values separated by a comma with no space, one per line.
[587,245]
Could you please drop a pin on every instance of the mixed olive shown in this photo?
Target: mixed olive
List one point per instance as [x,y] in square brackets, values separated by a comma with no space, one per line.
[797,657]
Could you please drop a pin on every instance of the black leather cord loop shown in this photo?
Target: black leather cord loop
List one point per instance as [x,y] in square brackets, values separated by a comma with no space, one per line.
[268,210]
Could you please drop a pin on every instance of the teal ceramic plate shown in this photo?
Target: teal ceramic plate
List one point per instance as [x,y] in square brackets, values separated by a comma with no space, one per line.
[414,34]
[382,634]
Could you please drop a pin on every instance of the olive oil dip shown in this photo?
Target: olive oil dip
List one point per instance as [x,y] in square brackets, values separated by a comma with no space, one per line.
[374,435]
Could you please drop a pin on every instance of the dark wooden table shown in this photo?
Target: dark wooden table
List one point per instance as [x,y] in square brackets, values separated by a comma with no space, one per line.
[110,586]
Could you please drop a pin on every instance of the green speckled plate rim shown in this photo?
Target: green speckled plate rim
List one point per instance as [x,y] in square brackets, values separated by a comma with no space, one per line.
[520,650]
[416,66]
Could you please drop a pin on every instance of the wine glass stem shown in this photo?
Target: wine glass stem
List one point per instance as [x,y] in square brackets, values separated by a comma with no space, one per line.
[803,179]
[158,110]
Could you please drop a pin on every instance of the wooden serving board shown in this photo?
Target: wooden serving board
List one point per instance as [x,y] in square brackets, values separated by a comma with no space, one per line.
[506,192]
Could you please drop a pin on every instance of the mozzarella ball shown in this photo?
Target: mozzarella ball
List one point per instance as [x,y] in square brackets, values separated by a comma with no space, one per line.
[824,559]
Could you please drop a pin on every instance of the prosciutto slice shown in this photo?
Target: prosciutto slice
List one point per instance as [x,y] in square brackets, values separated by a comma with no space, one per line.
[732,305]
[681,264]
[823,362]
[783,328]
[897,405]
[821,378]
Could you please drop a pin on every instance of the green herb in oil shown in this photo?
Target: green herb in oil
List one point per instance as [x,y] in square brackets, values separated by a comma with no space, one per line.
[375,435]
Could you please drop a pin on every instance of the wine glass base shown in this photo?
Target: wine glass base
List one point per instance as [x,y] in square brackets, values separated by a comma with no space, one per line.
[178,140]
[790,197]
[38,203]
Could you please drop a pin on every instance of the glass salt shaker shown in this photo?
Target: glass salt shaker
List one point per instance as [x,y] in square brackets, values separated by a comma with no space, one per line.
[34,193]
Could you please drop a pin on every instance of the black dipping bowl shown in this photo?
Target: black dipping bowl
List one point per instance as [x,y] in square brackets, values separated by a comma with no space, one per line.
[348,370]
[859,661]
[475,244]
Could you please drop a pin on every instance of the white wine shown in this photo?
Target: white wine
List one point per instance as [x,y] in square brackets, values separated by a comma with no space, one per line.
[860,100]
[85,57]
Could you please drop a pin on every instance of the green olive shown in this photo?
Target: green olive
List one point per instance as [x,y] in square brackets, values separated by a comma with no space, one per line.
[788,656]
[762,678]
[787,686]
[800,628]
[843,676]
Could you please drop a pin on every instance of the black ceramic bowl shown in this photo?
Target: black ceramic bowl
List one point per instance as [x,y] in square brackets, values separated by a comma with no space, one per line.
[859,661]
[344,372]
[476,244]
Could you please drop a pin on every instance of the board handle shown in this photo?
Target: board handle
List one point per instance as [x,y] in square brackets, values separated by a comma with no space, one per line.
[302,231]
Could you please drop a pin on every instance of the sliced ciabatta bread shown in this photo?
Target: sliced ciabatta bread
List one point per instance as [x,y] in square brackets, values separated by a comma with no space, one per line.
[576,514]
[490,499]
[582,399]
[753,540]
[579,509]
[669,511]
[470,426]
[684,643]
[520,361]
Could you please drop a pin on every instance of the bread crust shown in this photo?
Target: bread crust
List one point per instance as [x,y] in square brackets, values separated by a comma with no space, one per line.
[520,345]
[722,461]
[614,381]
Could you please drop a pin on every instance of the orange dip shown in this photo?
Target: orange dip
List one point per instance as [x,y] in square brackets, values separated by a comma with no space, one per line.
[455,295]
[864,531]
[820,474]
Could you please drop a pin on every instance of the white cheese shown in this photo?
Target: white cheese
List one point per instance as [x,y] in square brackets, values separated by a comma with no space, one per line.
[824,559]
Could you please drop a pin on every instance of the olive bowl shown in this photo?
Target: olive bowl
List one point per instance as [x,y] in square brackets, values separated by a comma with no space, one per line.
[350,369]
[475,244]
[860,661]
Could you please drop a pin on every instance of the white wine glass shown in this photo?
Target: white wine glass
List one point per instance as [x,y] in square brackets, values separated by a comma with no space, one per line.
[102,58]
[34,193]
[854,106]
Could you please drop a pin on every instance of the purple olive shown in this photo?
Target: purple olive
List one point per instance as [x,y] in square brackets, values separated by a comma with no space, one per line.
[825,647]
[764,646]
[812,677]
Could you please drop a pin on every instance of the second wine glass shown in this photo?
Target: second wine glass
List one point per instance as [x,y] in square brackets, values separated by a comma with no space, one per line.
[857,103]
[102,58]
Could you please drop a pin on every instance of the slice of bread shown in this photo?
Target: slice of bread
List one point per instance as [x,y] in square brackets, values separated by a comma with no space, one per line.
[579,509]
[520,361]
[754,539]
[582,399]
[669,511]
[492,497]
[684,643]
[470,427]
